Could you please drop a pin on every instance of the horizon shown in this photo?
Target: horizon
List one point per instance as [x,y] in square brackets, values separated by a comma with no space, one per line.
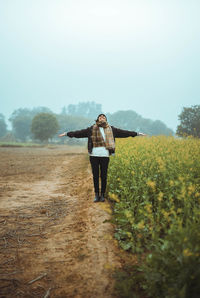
[60,111]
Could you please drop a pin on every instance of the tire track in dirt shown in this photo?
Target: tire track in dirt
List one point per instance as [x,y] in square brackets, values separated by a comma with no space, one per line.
[52,229]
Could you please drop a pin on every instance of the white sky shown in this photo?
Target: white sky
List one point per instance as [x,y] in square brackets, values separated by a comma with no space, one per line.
[129,54]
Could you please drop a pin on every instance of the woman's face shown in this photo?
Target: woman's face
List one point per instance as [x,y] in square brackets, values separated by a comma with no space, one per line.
[102,118]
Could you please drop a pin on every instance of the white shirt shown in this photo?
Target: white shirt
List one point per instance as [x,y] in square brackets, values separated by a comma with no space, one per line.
[100,151]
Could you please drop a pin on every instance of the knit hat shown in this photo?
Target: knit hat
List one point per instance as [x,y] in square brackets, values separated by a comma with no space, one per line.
[101,115]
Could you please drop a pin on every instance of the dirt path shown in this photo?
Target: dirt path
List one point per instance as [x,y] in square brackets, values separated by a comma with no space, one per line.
[50,228]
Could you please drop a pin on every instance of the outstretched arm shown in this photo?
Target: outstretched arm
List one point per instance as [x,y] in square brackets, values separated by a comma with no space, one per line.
[121,133]
[83,133]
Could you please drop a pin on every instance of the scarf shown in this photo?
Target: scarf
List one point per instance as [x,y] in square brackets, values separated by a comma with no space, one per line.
[97,137]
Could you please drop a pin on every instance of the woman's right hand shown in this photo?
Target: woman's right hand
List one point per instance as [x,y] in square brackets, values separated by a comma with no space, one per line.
[62,134]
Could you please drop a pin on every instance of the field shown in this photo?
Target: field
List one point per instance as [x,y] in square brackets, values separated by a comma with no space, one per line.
[154,184]
[55,242]
[53,239]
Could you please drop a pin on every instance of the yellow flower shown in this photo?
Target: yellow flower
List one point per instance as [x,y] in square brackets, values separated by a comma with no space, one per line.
[150,228]
[148,207]
[129,234]
[128,213]
[180,179]
[165,213]
[160,196]
[129,216]
[191,189]
[141,225]
[187,253]
[151,184]
[183,193]
[161,164]
[113,197]
[171,183]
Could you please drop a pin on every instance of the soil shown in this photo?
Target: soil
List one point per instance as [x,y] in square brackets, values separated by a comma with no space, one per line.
[54,241]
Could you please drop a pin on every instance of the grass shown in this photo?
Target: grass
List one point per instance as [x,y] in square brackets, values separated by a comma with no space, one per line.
[16,144]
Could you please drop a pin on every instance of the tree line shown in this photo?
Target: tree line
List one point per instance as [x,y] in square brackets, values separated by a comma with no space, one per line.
[41,124]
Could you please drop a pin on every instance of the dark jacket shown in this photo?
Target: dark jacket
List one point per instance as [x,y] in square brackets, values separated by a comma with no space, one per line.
[87,133]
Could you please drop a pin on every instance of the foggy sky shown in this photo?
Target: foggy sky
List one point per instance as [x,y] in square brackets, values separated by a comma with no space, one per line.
[141,55]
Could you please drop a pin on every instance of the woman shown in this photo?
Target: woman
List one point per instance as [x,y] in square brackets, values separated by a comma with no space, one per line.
[101,144]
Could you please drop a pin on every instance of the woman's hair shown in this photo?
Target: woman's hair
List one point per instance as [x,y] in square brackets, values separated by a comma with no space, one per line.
[101,115]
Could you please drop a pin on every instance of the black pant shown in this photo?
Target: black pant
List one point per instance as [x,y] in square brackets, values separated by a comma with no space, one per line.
[102,163]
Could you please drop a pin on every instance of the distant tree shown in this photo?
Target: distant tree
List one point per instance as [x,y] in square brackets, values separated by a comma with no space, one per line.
[159,128]
[69,123]
[9,138]
[38,110]
[21,127]
[3,126]
[19,113]
[72,109]
[44,126]
[132,121]
[28,112]
[64,111]
[146,126]
[21,120]
[190,122]
[88,109]
[125,119]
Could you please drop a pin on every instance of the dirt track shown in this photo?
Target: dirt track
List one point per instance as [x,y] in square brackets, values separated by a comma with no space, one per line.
[50,229]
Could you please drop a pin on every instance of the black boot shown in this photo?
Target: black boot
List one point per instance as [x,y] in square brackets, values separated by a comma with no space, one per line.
[102,199]
[96,199]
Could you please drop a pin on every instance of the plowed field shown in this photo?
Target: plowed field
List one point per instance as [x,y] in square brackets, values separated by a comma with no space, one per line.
[54,241]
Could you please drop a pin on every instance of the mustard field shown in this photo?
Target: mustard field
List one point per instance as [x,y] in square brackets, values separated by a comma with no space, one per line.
[154,184]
